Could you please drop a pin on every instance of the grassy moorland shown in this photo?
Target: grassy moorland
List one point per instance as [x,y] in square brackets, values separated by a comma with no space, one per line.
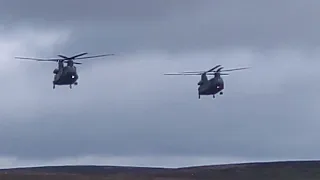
[291,170]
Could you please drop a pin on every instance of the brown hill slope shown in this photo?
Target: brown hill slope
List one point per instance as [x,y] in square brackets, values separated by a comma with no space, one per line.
[293,170]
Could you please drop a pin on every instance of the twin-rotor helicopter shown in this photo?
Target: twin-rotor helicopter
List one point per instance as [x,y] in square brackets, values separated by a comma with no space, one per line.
[65,75]
[209,86]
[68,75]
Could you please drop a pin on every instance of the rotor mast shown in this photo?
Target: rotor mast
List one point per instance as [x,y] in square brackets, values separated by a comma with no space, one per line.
[60,64]
[217,73]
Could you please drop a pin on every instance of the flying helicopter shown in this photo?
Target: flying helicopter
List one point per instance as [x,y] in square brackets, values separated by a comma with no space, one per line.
[65,75]
[209,86]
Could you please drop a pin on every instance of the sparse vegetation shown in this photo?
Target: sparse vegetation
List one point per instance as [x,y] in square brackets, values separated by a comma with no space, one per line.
[293,170]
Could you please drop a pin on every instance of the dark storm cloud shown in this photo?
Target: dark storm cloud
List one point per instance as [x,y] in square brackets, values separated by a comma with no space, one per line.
[124,106]
[174,25]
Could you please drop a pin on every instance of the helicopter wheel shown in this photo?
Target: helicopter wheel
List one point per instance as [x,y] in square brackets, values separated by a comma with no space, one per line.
[221,93]
[76,83]
[53,87]
[213,96]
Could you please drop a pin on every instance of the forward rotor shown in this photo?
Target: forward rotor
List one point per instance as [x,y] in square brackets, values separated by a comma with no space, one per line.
[65,59]
[194,72]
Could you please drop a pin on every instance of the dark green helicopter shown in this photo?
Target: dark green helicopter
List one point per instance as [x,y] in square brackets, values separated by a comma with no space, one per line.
[65,75]
[209,86]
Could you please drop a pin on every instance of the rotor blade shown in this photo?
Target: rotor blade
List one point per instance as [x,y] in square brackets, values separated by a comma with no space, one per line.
[214,68]
[218,70]
[184,74]
[88,57]
[37,59]
[64,57]
[72,61]
[200,72]
[235,69]
[74,57]
[211,73]
[194,74]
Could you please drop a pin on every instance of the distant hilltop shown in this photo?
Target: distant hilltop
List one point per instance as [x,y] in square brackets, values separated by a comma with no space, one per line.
[285,170]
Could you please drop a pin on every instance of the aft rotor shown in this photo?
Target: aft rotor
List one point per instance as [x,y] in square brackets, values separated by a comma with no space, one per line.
[217,73]
[211,71]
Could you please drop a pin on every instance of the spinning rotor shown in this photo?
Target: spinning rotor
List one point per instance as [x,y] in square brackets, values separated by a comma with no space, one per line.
[211,71]
[65,59]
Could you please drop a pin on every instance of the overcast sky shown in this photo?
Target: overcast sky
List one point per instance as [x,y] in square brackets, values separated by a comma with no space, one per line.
[125,112]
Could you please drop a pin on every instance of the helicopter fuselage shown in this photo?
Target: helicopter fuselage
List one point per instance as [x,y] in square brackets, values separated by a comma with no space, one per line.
[211,87]
[65,76]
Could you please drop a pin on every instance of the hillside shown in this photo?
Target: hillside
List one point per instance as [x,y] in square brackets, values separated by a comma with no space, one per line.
[293,170]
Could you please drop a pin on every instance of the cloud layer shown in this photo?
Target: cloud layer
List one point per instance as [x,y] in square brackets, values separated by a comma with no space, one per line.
[125,108]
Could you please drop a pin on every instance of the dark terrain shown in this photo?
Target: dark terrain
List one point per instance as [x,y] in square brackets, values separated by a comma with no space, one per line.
[291,170]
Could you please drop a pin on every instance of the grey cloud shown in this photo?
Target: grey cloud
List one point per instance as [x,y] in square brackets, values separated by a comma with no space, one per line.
[272,24]
[138,116]
[78,11]
[124,106]
[174,26]
[174,128]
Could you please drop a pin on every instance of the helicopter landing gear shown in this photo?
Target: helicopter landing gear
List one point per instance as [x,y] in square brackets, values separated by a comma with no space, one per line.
[221,93]
[70,86]
[213,96]
[198,96]
[76,83]
[54,86]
